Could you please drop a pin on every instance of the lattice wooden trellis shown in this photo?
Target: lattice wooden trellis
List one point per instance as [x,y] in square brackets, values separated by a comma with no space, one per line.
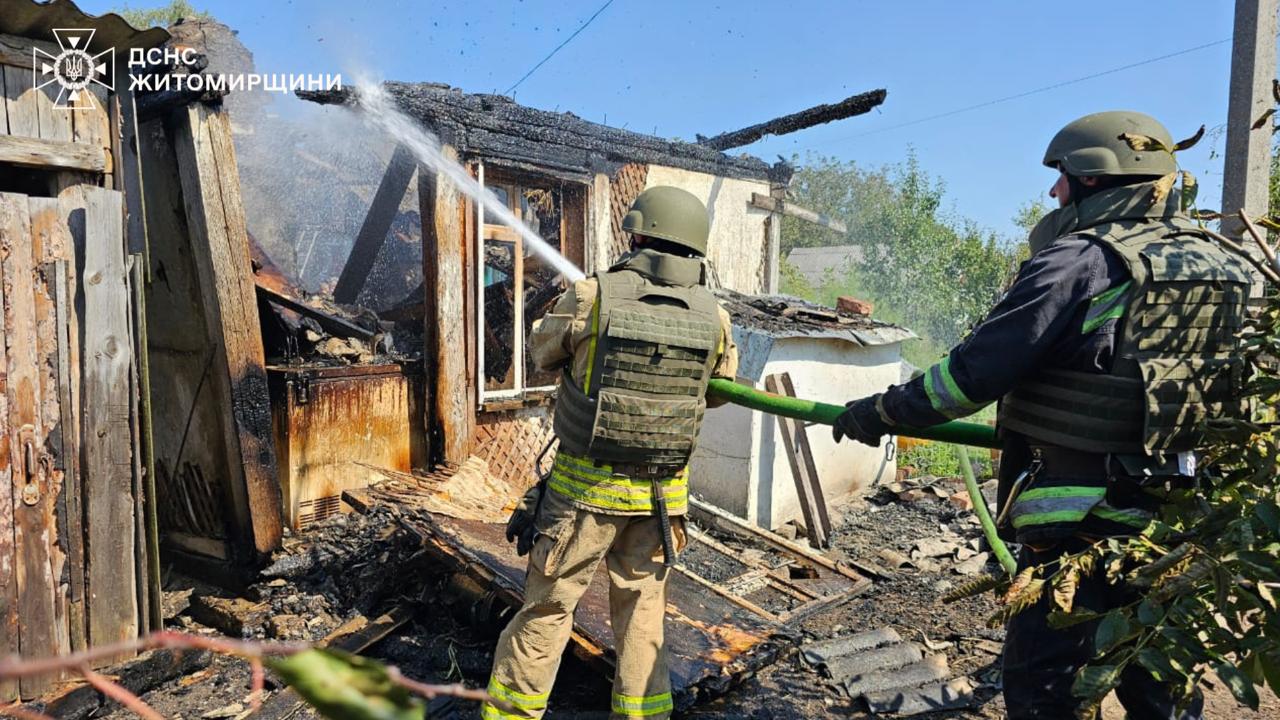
[626,184]
[510,444]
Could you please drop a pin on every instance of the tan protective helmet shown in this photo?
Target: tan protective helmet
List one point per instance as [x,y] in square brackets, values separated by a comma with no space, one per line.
[1092,146]
[672,214]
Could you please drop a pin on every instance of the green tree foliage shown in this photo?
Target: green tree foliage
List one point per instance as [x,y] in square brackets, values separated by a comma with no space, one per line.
[1030,213]
[162,16]
[921,265]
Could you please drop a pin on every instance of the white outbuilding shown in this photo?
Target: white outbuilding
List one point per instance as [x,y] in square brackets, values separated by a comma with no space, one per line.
[741,463]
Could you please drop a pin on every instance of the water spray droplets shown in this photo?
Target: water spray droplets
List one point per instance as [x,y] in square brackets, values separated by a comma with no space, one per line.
[379,111]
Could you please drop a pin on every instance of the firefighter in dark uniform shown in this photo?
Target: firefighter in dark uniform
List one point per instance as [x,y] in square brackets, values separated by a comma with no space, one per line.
[1115,342]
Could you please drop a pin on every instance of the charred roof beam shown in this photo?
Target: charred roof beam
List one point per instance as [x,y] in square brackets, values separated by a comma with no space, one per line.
[818,115]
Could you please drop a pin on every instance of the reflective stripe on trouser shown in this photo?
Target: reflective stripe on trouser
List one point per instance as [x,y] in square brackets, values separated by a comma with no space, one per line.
[599,488]
[645,706]
[523,705]
[570,546]
[1058,507]
[1055,504]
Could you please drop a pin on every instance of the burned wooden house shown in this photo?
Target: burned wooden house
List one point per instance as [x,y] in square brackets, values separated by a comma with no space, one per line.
[172,400]
[571,180]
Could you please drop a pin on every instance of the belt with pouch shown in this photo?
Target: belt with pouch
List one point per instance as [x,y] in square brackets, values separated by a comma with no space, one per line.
[656,474]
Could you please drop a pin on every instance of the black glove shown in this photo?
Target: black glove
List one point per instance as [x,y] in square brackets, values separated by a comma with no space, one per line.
[860,421]
[521,526]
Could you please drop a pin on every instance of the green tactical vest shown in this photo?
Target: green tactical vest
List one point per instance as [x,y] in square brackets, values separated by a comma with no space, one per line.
[656,341]
[1176,359]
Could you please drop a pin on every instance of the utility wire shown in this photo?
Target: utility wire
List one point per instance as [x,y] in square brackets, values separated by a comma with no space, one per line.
[1046,88]
[581,27]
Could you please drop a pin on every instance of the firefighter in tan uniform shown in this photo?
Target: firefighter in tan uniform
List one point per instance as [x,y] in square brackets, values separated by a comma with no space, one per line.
[637,345]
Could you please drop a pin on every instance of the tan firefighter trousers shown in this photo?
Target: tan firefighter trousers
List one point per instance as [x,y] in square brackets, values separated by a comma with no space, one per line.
[570,545]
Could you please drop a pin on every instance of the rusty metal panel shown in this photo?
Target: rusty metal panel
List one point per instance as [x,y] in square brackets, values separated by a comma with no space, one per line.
[336,426]
[712,641]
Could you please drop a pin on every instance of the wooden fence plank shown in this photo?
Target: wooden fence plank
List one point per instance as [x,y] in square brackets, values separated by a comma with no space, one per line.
[55,122]
[70,508]
[220,244]
[97,226]
[31,494]
[141,561]
[130,178]
[91,125]
[4,113]
[20,102]
[51,250]
[51,154]
[10,227]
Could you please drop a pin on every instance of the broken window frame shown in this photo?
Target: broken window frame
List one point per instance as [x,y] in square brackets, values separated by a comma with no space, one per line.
[514,181]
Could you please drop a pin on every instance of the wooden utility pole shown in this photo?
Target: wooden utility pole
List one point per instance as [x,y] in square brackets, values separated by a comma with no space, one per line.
[1247,166]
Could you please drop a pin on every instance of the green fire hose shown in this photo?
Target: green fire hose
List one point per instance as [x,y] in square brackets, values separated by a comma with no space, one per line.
[958,433]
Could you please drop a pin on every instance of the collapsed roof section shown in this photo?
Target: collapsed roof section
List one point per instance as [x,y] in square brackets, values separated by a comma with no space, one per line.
[759,321]
[31,19]
[496,127]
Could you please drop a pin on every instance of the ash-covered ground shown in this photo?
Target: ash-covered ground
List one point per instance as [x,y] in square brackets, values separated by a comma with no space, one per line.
[363,564]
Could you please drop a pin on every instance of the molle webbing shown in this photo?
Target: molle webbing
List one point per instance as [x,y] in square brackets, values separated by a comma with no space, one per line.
[1176,355]
[651,357]
[1074,409]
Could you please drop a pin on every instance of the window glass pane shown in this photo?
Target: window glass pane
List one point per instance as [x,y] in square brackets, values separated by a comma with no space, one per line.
[501,192]
[499,314]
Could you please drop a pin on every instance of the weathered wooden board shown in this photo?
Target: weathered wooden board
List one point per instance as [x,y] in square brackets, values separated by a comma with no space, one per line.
[20,102]
[50,250]
[97,226]
[31,491]
[215,218]
[200,493]
[145,469]
[4,112]
[445,278]
[51,154]
[91,125]
[70,509]
[16,50]
[129,176]
[55,122]
[10,227]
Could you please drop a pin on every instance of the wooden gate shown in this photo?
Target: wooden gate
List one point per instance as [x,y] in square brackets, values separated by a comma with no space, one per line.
[67,361]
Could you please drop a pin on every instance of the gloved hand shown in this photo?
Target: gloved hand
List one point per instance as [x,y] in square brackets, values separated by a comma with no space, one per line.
[521,528]
[861,421]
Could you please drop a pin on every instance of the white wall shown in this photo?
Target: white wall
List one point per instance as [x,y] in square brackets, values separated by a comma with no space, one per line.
[741,463]
[835,372]
[737,247]
[722,470]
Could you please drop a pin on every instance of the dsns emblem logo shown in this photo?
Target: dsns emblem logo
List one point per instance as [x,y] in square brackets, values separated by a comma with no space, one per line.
[74,69]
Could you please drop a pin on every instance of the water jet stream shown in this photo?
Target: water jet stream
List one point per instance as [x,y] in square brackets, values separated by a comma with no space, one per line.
[379,110]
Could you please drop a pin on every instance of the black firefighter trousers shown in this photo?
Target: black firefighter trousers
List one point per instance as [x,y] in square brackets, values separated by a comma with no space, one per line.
[1040,662]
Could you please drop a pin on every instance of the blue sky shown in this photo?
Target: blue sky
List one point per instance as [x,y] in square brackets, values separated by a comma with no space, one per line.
[704,66]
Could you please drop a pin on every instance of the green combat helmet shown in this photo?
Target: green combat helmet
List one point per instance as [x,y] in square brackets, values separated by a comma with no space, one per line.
[1092,146]
[670,213]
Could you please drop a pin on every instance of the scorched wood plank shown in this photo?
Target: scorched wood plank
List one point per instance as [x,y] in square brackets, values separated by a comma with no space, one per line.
[220,244]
